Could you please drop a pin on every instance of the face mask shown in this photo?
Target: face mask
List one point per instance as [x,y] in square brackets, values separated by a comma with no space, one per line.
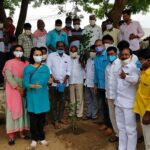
[92,22]
[109,26]
[37,59]
[126,61]
[99,49]
[60,52]
[92,55]
[73,55]
[58,28]
[108,45]
[76,27]
[44,57]
[28,32]
[68,25]
[18,54]
[138,64]
[112,58]
[1,25]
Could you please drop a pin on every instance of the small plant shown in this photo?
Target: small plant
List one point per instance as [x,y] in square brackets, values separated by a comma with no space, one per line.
[72,116]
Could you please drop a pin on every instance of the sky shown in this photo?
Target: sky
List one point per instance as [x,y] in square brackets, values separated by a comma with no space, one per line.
[49,14]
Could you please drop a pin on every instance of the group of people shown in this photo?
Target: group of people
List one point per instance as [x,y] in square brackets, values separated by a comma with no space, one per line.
[44,69]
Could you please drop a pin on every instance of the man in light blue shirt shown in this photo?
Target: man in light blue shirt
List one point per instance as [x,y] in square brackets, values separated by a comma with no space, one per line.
[56,35]
[100,63]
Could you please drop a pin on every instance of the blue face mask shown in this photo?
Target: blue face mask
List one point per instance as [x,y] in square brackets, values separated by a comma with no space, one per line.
[59,51]
[112,58]
[99,49]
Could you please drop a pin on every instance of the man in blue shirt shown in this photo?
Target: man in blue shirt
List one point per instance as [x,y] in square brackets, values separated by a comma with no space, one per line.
[56,35]
[100,63]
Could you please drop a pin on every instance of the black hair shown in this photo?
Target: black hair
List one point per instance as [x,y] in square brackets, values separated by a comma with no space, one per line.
[127,11]
[59,43]
[144,53]
[112,48]
[92,47]
[58,21]
[126,49]
[107,37]
[31,59]
[12,53]
[27,25]
[9,18]
[76,19]
[123,44]
[109,20]
[13,39]
[68,19]
[43,48]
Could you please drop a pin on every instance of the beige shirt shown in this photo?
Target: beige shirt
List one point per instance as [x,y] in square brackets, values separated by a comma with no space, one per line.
[114,33]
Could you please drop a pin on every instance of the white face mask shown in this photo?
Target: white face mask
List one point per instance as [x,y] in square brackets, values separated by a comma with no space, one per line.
[44,57]
[92,55]
[37,59]
[109,26]
[108,45]
[73,55]
[92,22]
[58,28]
[28,32]
[1,25]
[18,54]
[76,27]
[127,61]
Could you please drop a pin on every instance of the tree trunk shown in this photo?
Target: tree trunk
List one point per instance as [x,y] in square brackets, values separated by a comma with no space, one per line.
[2,11]
[22,17]
[116,11]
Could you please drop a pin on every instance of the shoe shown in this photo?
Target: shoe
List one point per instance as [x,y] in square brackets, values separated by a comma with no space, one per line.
[102,127]
[11,142]
[108,131]
[113,139]
[33,145]
[86,118]
[44,142]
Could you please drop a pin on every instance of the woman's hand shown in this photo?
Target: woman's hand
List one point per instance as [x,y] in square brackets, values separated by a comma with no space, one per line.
[35,86]
[21,91]
[146,118]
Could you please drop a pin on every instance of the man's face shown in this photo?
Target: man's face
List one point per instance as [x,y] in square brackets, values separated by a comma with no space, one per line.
[126,17]
[111,53]
[98,44]
[125,54]
[108,42]
[76,22]
[60,46]
[40,25]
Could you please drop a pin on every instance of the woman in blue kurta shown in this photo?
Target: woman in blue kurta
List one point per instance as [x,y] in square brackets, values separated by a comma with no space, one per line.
[36,77]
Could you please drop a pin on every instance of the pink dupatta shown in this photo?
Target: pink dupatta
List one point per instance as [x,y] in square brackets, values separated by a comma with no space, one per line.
[13,97]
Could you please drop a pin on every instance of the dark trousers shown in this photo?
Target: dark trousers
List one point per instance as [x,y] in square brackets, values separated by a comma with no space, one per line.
[57,105]
[105,110]
[3,59]
[36,126]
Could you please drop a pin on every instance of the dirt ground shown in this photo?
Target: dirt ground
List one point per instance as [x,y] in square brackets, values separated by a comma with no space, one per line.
[88,137]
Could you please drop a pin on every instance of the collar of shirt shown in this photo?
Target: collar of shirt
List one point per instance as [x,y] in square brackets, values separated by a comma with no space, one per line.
[147,71]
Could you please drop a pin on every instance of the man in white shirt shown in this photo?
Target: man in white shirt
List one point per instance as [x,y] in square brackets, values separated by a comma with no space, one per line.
[127,81]
[94,30]
[76,83]
[60,65]
[92,107]
[131,31]
[110,85]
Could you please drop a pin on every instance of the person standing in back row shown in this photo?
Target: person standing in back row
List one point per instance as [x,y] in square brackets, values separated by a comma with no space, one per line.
[131,31]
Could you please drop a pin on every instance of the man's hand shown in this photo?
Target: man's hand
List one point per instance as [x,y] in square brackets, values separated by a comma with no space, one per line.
[95,89]
[133,36]
[122,75]
[146,118]
[35,86]
[66,78]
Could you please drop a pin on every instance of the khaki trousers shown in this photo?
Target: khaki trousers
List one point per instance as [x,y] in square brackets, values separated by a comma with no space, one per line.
[76,97]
